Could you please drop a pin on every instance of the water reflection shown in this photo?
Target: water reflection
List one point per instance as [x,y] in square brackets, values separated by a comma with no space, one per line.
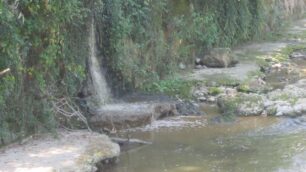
[238,146]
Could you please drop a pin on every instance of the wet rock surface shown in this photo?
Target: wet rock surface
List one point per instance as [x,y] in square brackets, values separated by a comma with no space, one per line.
[290,101]
[274,84]
[187,108]
[298,55]
[129,115]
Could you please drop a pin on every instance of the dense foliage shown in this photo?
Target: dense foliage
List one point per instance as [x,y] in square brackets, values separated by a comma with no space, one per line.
[37,44]
[144,41]
[44,43]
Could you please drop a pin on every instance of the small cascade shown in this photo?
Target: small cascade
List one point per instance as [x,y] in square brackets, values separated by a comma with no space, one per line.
[101,90]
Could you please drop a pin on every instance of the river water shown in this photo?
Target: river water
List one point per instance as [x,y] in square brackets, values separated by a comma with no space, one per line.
[208,144]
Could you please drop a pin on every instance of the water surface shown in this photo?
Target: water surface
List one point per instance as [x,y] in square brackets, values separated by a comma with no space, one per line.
[199,144]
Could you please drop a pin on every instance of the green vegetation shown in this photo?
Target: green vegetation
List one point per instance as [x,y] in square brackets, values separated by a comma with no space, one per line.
[221,80]
[140,42]
[45,62]
[286,97]
[244,88]
[214,91]
[281,55]
[172,87]
[234,106]
[145,41]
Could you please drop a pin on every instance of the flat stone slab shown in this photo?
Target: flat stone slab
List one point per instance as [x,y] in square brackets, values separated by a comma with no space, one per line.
[265,47]
[239,72]
[129,115]
[77,151]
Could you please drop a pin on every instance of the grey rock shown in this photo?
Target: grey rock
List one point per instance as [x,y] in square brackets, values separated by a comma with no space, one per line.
[300,106]
[200,91]
[188,108]
[258,85]
[182,66]
[212,99]
[198,61]
[281,74]
[290,101]
[298,55]
[202,99]
[122,116]
[242,104]
[219,58]
[199,67]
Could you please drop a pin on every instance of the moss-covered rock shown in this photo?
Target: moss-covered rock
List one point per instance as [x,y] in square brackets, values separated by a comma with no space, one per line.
[254,85]
[242,104]
[290,101]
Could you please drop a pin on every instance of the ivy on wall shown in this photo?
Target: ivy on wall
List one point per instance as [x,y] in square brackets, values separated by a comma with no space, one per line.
[36,44]
[144,41]
[140,42]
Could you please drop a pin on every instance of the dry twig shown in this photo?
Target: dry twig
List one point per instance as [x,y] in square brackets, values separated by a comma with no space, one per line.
[66,108]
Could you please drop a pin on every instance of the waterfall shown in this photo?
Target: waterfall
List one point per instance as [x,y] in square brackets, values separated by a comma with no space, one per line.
[101,89]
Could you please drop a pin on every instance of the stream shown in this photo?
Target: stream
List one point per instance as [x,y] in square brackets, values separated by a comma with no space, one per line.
[208,144]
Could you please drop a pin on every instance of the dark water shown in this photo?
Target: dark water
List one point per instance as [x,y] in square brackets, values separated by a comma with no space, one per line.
[195,144]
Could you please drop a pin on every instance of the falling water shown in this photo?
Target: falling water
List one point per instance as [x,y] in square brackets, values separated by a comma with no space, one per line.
[99,83]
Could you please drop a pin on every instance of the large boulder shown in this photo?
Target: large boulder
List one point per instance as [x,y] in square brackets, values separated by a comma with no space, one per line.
[242,104]
[219,58]
[130,115]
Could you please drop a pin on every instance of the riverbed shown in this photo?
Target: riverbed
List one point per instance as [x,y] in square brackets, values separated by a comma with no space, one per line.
[212,143]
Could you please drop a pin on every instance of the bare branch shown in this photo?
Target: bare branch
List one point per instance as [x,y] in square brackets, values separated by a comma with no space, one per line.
[65,107]
[4,71]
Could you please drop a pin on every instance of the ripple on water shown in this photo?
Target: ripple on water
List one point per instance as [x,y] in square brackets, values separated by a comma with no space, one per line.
[183,144]
[285,126]
[174,123]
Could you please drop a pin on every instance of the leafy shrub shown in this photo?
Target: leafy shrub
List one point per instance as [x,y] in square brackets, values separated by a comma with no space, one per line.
[172,87]
[244,88]
[45,63]
[214,91]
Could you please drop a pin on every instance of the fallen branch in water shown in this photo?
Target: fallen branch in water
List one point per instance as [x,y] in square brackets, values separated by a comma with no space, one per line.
[130,141]
[4,71]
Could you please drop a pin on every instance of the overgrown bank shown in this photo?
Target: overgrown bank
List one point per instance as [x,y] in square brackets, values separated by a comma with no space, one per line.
[140,42]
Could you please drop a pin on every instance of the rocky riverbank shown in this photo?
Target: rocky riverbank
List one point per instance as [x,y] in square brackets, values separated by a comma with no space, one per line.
[78,151]
[269,80]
